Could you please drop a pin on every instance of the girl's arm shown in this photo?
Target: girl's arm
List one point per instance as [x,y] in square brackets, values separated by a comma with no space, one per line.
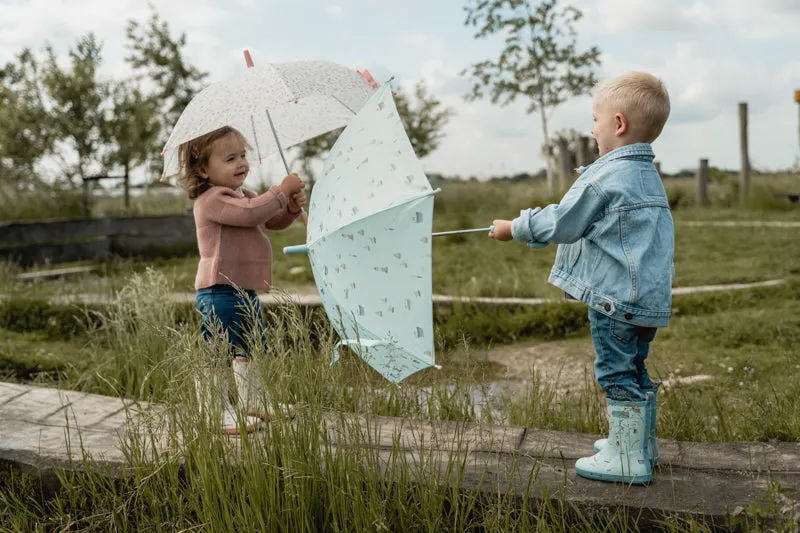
[282,219]
[227,208]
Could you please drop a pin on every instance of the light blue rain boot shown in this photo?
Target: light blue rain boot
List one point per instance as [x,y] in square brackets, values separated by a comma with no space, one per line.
[624,457]
[652,445]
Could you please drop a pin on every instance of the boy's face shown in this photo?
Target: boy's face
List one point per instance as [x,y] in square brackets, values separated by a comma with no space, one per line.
[227,164]
[605,127]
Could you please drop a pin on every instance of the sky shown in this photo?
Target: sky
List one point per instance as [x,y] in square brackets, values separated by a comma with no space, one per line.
[711,54]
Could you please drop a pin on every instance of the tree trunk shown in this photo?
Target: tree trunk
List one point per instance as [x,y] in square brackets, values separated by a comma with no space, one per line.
[551,182]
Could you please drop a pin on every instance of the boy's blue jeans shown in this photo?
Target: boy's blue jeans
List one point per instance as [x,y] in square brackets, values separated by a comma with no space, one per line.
[228,311]
[620,353]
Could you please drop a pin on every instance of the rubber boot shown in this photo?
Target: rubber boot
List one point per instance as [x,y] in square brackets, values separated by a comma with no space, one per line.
[624,457]
[212,394]
[652,411]
[251,393]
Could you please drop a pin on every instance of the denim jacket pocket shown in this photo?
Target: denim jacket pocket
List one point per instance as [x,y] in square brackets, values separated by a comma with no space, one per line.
[575,254]
[568,255]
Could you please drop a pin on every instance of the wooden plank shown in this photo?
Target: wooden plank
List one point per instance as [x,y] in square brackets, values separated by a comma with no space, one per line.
[52,230]
[44,254]
[55,273]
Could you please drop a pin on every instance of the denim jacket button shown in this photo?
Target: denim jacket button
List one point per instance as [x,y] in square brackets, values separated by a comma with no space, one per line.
[628,316]
[607,306]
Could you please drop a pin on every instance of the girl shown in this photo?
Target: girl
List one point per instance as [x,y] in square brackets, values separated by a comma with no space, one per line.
[235,253]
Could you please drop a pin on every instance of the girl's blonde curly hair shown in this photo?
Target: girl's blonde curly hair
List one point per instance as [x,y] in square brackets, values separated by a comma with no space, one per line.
[193,157]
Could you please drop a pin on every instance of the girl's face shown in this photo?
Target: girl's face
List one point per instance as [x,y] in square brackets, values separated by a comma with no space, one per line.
[227,163]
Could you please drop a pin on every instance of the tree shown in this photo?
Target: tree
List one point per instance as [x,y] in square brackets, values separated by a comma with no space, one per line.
[24,137]
[540,60]
[423,119]
[131,130]
[154,51]
[75,98]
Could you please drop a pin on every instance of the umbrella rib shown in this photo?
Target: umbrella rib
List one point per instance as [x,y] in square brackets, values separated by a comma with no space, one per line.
[255,137]
[344,105]
[359,219]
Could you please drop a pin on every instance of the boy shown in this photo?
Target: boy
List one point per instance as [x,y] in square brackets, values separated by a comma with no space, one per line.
[616,243]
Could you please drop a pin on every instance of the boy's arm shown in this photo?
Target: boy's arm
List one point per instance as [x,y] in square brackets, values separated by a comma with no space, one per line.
[561,223]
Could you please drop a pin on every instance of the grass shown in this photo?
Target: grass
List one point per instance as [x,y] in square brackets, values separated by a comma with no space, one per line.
[295,476]
[512,269]
[144,346]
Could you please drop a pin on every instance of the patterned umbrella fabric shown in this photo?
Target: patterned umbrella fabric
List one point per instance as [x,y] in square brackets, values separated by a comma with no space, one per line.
[369,242]
[303,99]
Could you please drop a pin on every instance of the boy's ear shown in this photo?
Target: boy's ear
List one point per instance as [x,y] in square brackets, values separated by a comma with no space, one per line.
[620,124]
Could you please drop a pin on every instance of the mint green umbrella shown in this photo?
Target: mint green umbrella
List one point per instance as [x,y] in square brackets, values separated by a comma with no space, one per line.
[369,242]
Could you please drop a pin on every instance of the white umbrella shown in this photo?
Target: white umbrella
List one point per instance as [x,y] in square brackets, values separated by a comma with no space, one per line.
[274,106]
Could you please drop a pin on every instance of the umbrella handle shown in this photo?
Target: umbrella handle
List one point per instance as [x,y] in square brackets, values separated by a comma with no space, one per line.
[296,249]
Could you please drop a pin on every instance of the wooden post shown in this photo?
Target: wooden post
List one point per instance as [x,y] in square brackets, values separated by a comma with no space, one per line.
[582,151]
[564,167]
[85,197]
[744,175]
[702,183]
[797,101]
[127,186]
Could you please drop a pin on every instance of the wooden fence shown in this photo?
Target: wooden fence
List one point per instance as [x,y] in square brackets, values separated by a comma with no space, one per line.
[43,242]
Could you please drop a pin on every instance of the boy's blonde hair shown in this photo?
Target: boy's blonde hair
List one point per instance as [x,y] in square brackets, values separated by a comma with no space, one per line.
[641,97]
[193,157]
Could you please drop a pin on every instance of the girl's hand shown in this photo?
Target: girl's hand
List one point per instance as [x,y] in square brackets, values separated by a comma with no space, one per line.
[291,184]
[502,230]
[296,202]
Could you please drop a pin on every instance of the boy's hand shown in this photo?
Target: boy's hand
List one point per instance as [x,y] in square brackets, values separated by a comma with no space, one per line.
[296,202]
[291,184]
[502,230]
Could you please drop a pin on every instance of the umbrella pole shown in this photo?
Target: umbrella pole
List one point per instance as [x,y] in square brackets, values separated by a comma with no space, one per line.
[278,142]
[249,60]
[303,214]
[460,231]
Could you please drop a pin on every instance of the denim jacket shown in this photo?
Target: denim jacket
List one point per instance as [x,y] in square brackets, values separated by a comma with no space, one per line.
[616,237]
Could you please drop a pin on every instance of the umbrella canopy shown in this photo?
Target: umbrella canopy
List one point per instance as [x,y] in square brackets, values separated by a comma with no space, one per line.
[369,242]
[303,99]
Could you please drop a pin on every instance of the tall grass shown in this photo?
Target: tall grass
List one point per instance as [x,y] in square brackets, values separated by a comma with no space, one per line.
[327,469]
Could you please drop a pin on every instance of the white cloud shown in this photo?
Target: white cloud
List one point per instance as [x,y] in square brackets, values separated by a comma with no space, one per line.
[335,10]
[430,46]
[711,53]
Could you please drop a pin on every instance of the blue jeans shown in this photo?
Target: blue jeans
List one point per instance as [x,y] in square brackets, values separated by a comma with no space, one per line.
[620,351]
[226,310]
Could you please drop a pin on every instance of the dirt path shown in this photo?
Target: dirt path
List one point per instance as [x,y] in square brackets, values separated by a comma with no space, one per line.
[565,363]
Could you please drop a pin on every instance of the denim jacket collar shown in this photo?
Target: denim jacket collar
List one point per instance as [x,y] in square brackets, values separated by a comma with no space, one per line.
[636,150]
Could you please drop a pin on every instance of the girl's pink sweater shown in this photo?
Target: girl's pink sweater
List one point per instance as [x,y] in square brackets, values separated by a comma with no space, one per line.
[234,248]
